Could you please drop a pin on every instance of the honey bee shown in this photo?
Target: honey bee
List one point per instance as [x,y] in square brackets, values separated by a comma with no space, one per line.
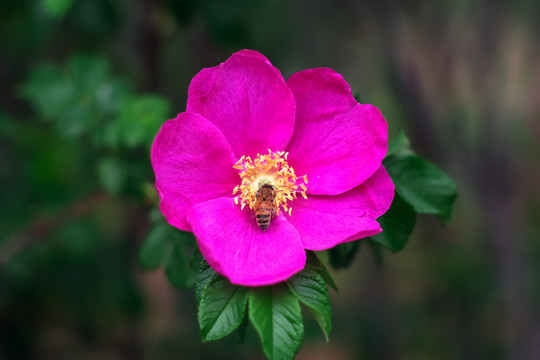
[264,206]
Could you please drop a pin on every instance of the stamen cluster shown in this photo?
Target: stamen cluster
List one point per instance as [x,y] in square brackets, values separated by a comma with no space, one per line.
[272,169]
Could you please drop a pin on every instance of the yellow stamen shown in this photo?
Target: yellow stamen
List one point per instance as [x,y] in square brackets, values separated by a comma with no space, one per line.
[270,169]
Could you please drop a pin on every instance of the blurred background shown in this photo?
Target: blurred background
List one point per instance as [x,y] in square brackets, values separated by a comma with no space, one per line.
[86,84]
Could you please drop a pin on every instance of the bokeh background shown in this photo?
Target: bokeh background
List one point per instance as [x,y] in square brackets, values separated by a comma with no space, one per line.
[86,84]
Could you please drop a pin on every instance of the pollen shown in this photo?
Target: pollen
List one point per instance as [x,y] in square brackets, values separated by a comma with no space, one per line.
[270,169]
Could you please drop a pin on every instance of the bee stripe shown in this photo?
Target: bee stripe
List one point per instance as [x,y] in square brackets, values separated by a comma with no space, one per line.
[263,220]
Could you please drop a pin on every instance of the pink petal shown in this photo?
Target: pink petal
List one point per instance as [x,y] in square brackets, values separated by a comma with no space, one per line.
[193,163]
[248,100]
[234,245]
[324,221]
[337,142]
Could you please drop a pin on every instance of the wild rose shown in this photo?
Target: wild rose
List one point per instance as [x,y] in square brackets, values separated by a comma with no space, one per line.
[306,138]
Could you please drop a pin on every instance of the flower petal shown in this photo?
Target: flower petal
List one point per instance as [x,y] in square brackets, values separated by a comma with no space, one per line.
[234,245]
[324,221]
[248,100]
[193,163]
[337,142]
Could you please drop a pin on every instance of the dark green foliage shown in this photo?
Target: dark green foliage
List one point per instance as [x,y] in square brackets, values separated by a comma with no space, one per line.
[420,183]
[317,265]
[112,174]
[85,102]
[222,308]
[310,288]
[342,255]
[140,119]
[204,275]
[399,147]
[420,188]
[173,248]
[178,269]
[83,98]
[273,310]
[397,225]
[241,330]
[423,185]
[57,8]
[154,247]
[275,313]
[79,97]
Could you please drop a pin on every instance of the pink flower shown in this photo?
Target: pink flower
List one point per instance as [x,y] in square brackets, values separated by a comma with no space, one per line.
[307,138]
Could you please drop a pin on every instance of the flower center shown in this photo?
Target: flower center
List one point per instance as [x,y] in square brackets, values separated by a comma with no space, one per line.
[271,169]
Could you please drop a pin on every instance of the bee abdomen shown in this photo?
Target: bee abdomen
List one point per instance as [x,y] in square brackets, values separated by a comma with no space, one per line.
[263,220]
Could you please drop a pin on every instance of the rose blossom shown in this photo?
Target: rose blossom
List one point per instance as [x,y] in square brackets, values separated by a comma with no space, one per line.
[308,138]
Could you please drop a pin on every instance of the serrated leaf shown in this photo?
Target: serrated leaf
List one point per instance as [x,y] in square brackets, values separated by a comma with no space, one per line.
[342,255]
[222,308]
[153,248]
[203,277]
[397,225]
[422,185]
[178,267]
[275,313]
[310,288]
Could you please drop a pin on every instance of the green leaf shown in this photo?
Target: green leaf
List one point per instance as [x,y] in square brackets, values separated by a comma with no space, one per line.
[397,225]
[275,313]
[57,8]
[153,248]
[342,255]
[49,91]
[222,308]
[310,288]
[112,174]
[203,277]
[141,119]
[423,185]
[178,268]
[317,265]
[88,71]
[400,146]
[240,333]
[76,96]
